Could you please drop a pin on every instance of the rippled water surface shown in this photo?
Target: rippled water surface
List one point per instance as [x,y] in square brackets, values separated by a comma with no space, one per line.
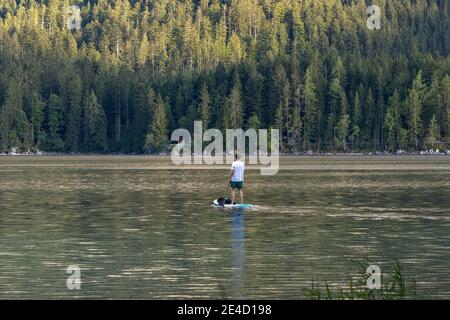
[140,228]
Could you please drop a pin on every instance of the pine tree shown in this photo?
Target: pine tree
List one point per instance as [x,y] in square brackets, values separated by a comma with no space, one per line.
[204,107]
[95,125]
[143,105]
[415,100]
[310,117]
[343,124]
[22,133]
[142,54]
[295,124]
[393,122]
[254,122]
[369,120]
[282,114]
[252,92]
[157,136]
[356,118]
[433,137]
[37,117]
[72,101]
[53,139]
[295,130]
[445,92]
[9,111]
[232,118]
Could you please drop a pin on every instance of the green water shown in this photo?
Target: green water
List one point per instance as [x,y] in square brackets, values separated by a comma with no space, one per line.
[140,228]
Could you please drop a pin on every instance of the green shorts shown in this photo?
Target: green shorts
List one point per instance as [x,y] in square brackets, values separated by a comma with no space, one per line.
[237,184]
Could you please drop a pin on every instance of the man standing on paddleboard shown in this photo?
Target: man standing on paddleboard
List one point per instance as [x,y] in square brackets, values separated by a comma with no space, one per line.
[237,177]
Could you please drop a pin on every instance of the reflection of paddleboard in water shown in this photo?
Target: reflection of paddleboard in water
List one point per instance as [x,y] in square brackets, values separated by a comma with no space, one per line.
[226,203]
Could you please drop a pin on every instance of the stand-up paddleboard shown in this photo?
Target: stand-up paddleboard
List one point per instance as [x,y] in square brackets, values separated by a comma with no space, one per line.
[229,205]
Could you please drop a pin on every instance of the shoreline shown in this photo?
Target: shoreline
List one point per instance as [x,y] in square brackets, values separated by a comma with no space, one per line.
[282,155]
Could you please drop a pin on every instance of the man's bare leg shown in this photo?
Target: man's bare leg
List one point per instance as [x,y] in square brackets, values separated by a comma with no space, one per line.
[233,191]
[241,193]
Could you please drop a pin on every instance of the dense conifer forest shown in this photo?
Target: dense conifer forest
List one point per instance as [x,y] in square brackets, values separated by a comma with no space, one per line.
[138,69]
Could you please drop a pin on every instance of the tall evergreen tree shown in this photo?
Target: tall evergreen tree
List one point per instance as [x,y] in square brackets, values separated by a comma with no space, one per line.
[204,107]
[72,100]
[310,118]
[356,118]
[415,100]
[433,137]
[157,136]
[446,105]
[53,140]
[232,118]
[393,122]
[343,124]
[95,125]
[37,117]
[9,112]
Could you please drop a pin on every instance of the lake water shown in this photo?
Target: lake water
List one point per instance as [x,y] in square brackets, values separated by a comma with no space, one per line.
[138,227]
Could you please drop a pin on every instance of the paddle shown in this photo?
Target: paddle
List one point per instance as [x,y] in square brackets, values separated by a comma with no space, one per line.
[226,193]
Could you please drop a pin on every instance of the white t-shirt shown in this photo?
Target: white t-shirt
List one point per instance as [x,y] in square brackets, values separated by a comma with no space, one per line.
[238,167]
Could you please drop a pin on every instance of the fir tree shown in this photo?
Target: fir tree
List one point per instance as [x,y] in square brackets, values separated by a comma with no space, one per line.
[157,136]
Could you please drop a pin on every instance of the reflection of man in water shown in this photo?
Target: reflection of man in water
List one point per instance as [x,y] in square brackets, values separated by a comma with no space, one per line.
[238,252]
